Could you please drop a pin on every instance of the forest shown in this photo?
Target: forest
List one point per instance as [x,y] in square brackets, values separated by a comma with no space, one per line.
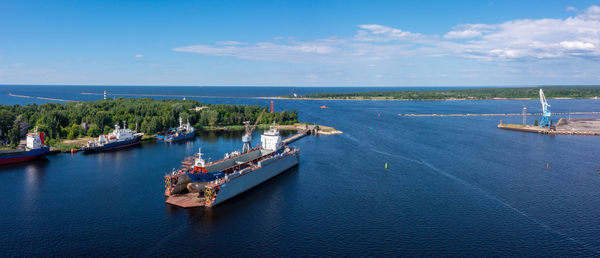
[92,118]
[470,93]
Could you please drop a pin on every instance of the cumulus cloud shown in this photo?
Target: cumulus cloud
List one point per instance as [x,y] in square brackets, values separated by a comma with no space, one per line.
[380,33]
[469,31]
[291,52]
[572,37]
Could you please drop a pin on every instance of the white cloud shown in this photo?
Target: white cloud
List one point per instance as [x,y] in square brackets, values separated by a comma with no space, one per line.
[592,13]
[571,9]
[577,45]
[571,37]
[468,31]
[138,56]
[380,33]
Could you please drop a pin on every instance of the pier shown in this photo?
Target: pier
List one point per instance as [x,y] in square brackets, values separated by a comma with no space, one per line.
[297,136]
[44,98]
[507,114]
[579,126]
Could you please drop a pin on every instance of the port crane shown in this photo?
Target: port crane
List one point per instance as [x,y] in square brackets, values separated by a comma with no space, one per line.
[248,135]
[545,110]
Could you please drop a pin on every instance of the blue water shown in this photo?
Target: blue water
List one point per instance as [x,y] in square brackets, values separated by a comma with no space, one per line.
[455,186]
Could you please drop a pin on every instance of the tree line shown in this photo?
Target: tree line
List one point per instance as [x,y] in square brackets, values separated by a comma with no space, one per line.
[474,93]
[92,118]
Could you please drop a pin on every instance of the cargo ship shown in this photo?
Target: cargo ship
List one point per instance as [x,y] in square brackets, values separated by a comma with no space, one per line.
[219,181]
[117,139]
[34,149]
[183,132]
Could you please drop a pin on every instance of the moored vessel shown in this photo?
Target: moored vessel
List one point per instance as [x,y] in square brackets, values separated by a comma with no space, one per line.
[183,132]
[216,182]
[34,149]
[117,139]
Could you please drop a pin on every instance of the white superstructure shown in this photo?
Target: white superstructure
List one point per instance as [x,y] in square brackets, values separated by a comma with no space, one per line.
[34,141]
[271,139]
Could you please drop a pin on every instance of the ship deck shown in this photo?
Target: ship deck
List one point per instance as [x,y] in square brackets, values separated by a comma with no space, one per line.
[187,200]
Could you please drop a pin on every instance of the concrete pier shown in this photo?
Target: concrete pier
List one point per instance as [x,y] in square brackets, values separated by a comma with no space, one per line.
[575,126]
[506,114]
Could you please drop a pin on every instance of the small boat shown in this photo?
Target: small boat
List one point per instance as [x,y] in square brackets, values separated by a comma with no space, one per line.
[323,106]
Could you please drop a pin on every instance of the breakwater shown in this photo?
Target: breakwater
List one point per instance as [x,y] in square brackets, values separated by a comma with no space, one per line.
[44,98]
[505,114]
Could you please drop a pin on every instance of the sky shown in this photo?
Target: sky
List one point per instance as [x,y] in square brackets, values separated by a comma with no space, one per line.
[300,43]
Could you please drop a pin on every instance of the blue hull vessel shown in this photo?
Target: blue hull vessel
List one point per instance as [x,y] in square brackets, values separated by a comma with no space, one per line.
[113,145]
[172,138]
[23,156]
[205,177]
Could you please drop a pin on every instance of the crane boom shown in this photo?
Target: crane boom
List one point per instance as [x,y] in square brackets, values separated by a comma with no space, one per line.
[257,120]
[545,110]
[543,100]
[248,136]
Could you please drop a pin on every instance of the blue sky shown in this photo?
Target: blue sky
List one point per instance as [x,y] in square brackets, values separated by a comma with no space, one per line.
[300,43]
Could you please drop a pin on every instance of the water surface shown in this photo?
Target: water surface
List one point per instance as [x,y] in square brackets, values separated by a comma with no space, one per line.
[454,186]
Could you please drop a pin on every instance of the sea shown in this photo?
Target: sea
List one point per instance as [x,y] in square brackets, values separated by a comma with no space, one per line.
[389,185]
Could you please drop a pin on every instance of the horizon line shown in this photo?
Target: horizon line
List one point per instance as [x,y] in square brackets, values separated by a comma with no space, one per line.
[315,86]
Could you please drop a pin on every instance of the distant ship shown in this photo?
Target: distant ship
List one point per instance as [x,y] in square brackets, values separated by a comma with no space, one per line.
[184,131]
[35,148]
[218,181]
[119,138]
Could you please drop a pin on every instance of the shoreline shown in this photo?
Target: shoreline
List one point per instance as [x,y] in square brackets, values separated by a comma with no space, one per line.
[389,99]
[65,146]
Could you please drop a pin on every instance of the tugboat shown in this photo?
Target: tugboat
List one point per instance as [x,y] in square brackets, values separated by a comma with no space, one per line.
[184,131]
[119,138]
[35,148]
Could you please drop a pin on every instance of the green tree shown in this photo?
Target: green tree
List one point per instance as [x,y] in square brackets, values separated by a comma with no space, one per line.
[535,123]
[94,131]
[15,133]
[211,116]
[107,129]
[6,121]
[73,131]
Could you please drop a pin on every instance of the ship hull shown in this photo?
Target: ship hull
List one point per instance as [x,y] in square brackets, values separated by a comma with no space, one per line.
[113,146]
[250,180]
[179,138]
[24,156]
[205,177]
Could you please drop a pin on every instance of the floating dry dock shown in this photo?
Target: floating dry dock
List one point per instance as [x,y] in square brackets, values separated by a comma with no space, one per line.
[575,126]
[194,199]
